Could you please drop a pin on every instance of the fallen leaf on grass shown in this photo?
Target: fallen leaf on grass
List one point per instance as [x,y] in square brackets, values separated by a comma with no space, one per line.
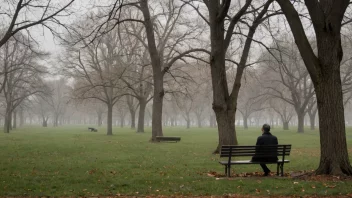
[330,186]
[210,175]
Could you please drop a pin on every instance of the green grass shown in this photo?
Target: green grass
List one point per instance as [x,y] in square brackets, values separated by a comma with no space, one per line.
[70,161]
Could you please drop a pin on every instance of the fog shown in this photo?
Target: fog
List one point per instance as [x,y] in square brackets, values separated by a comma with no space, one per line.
[86,67]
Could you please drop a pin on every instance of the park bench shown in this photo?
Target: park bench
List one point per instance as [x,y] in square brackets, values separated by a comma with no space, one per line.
[167,139]
[260,151]
[92,129]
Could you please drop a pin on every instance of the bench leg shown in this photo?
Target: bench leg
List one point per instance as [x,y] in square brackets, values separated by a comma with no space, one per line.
[277,169]
[282,169]
[229,171]
[225,169]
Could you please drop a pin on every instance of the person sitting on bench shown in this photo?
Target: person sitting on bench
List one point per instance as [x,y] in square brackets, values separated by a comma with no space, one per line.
[266,139]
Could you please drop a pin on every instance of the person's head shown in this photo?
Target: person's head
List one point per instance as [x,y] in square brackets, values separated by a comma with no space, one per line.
[266,128]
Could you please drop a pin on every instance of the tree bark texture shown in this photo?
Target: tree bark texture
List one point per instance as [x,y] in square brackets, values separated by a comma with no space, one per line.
[158,94]
[300,119]
[109,120]
[141,115]
[324,70]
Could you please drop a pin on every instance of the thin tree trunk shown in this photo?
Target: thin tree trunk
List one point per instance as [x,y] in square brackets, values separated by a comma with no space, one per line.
[172,121]
[56,120]
[10,121]
[199,121]
[122,120]
[245,122]
[133,119]
[188,123]
[7,121]
[109,120]
[300,119]
[45,122]
[211,120]
[21,117]
[286,126]
[100,119]
[141,115]
[312,119]
[14,126]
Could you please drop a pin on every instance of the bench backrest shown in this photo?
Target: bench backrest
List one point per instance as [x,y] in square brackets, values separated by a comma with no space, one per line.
[262,151]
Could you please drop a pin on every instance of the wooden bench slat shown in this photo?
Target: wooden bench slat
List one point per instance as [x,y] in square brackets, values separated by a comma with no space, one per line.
[254,146]
[250,162]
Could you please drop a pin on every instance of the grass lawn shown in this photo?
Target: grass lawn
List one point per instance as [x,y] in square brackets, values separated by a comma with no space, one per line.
[70,161]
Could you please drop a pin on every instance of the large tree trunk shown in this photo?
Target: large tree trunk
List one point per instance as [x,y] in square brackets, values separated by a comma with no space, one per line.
[325,73]
[142,106]
[109,120]
[157,129]
[226,127]
[223,105]
[334,155]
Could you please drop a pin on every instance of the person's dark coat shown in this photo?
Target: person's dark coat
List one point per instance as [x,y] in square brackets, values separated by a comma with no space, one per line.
[266,139]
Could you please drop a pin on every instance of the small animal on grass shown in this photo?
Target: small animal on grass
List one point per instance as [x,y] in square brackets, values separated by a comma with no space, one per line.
[92,129]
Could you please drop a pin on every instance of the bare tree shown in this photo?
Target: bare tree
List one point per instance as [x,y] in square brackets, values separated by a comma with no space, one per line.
[59,99]
[288,74]
[225,102]
[252,99]
[312,110]
[327,17]
[284,110]
[21,15]
[41,107]
[24,80]
[98,70]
